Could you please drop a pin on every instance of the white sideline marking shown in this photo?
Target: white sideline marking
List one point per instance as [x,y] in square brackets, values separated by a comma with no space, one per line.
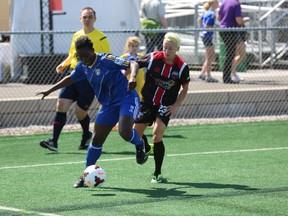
[26,212]
[230,151]
[132,158]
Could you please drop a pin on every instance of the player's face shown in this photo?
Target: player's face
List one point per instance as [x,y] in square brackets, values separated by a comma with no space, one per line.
[87,18]
[170,48]
[134,47]
[87,56]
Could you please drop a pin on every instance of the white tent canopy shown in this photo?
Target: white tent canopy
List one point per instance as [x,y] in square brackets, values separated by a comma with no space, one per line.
[26,16]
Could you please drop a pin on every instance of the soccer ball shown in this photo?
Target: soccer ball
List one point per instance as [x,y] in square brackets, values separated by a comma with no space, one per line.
[94,176]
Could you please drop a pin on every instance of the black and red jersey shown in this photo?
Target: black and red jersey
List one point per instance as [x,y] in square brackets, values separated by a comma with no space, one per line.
[162,80]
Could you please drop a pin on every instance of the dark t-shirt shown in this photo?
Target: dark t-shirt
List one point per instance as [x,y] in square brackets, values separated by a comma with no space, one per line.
[162,80]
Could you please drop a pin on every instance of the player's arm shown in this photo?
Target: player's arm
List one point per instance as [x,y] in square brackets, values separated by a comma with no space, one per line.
[134,67]
[66,81]
[171,110]
[61,67]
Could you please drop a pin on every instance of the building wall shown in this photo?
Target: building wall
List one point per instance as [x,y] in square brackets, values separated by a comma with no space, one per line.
[4,15]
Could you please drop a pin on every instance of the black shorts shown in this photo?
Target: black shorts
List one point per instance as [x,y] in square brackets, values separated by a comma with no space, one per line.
[81,92]
[148,114]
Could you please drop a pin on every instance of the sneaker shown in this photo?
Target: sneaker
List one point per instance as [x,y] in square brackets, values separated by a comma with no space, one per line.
[140,154]
[211,79]
[202,77]
[158,179]
[236,78]
[80,183]
[230,82]
[85,142]
[49,144]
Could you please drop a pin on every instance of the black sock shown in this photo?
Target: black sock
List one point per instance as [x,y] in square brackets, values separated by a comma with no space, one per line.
[85,125]
[58,124]
[159,151]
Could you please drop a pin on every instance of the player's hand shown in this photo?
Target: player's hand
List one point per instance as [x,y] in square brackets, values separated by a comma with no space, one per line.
[60,68]
[131,85]
[171,110]
[44,93]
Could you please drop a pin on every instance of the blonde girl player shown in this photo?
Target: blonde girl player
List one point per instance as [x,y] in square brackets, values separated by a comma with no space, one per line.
[131,53]
[166,86]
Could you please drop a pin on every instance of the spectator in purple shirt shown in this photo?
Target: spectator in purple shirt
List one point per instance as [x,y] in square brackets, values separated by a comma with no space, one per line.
[230,16]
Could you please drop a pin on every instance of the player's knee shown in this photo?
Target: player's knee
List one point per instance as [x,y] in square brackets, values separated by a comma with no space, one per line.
[157,138]
[126,135]
[62,105]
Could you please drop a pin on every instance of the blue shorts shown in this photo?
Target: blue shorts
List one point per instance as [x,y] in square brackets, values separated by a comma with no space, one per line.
[207,41]
[110,114]
[81,92]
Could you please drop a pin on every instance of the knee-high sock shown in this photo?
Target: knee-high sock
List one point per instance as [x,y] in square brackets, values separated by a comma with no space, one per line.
[159,151]
[93,155]
[58,124]
[85,125]
[135,139]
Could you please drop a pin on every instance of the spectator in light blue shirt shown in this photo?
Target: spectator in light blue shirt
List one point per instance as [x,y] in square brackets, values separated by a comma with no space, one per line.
[207,21]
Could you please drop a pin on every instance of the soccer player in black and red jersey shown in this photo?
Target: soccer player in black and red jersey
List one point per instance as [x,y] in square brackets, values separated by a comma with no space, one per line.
[166,86]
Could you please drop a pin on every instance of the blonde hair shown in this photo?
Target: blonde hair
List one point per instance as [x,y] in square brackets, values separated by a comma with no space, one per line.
[208,4]
[130,41]
[172,37]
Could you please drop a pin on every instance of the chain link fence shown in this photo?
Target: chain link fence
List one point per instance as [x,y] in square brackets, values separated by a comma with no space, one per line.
[28,61]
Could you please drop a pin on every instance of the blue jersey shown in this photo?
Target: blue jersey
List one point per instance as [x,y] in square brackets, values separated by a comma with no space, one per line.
[106,78]
[208,19]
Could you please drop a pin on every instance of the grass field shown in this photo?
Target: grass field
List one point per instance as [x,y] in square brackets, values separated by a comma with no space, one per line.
[218,169]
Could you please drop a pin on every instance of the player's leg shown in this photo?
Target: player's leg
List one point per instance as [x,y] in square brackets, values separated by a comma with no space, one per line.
[128,110]
[104,123]
[84,100]
[63,104]
[146,116]
[159,129]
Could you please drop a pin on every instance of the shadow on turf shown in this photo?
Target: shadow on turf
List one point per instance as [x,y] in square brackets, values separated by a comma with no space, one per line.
[85,152]
[153,193]
[213,185]
[169,136]
[177,192]
[162,193]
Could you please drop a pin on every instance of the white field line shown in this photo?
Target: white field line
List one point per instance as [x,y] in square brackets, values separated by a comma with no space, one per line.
[132,158]
[26,212]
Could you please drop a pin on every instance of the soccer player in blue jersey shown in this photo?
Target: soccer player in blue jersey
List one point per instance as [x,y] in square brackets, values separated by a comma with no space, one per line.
[80,92]
[120,102]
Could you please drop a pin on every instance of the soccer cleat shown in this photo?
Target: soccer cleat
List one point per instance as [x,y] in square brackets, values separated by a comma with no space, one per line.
[80,183]
[49,144]
[158,179]
[85,142]
[140,154]
[148,152]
